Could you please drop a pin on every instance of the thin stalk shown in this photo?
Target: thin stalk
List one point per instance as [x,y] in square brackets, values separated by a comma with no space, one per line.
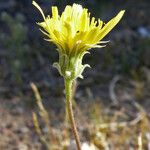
[68,89]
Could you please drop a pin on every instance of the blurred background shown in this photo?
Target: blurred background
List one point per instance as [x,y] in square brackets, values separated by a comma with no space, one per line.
[116,90]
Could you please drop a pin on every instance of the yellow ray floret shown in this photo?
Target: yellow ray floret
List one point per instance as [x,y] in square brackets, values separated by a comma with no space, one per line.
[74,31]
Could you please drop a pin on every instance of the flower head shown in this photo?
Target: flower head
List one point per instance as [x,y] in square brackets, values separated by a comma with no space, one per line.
[74,32]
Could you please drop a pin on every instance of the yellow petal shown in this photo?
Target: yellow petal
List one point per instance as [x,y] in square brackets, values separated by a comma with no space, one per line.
[39,8]
[84,20]
[55,12]
[91,35]
[67,12]
[110,25]
[42,24]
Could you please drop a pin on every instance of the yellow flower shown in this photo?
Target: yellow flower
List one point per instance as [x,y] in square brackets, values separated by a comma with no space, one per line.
[74,32]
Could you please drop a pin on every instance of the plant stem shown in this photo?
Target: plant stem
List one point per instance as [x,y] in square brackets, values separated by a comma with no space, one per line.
[68,89]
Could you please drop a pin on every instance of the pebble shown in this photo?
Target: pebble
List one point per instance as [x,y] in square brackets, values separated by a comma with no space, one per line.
[144,32]
[22,146]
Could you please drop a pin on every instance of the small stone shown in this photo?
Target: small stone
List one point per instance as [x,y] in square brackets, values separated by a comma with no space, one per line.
[22,146]
[144,32]
[86,146]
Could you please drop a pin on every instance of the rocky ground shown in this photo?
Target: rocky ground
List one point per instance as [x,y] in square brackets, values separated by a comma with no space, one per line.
[112,101]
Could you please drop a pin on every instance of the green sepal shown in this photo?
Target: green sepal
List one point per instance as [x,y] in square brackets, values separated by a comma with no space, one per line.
[70,67]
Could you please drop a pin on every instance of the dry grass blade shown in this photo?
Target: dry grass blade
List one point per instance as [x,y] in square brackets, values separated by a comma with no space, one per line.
[38,130]
[112,89]
[44,116]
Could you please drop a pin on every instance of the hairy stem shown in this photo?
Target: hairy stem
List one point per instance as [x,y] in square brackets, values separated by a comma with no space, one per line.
[68,89]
